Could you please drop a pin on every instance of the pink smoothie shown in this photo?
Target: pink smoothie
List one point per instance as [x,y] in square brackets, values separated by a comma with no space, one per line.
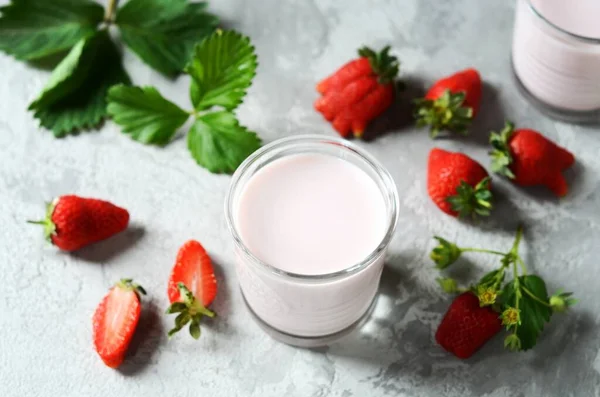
[311,214]
[557,68]
[581,17]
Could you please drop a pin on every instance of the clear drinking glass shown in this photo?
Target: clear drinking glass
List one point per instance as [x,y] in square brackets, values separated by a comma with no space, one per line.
[310,310]
[557,64]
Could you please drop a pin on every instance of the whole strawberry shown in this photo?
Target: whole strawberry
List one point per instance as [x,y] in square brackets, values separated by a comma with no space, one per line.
[115,321]
[457,184]
[192,287]
[451,103]
[359,91]
[467,326]
[73,222]
[529,158]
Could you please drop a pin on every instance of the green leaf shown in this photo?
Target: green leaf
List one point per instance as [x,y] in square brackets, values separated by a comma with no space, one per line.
[533,313]
[33,29]
[444,113]
[501,153]
[385,66]
[195,327]
[182,319]
[495,277]
[68,75]
[75,96]
[177,307]
[472,200]
[145,114]
[222,69]
[163,32]
[219,143]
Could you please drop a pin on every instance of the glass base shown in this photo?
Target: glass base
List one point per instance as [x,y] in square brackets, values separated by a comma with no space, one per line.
[568,116]
[310,341]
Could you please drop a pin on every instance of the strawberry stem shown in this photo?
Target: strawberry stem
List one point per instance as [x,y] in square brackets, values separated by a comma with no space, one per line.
[110,11]
[515,247]
[535,298]
[517,287]
[523,267]
[482,250]
[49,226]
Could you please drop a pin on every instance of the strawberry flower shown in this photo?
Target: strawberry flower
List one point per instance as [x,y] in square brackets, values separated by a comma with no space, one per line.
[512,343]
[487,296]
[511,316]
[449,285]
[561,301]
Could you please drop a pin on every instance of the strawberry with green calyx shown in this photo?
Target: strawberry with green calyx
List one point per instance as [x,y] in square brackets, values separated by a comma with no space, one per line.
[521,303]
[115,321]
[458,185]
[467,326]
[451,103]
[529,158]
[192,287]
[359,91]
[190,311]
[73,222]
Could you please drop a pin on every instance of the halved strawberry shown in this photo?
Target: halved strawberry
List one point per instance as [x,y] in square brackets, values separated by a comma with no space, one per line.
[115,321]
[192,287]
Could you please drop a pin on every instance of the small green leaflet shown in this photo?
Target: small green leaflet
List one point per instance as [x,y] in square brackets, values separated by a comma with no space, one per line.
[219,143]
[145,114]
[75,96]
[534,314]
[225,64]
[164,32]
[33,29]
[492,277]
[222,69]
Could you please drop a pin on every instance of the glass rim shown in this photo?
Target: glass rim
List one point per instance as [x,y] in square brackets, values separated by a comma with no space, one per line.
[384,176]
[587,39]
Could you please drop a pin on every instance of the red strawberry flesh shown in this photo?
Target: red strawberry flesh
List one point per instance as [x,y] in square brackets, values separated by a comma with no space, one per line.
[114,324]
[467,326]
[194,269]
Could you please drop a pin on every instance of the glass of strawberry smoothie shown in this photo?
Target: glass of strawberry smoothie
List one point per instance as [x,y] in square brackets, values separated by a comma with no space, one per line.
[311,218]
[556,56]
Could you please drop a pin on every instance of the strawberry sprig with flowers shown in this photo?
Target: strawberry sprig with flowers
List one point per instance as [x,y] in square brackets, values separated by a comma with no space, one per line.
[522,302]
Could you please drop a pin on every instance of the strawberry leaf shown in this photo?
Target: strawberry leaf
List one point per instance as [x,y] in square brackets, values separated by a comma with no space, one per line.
[219,143]
[472,201]
[195,327]
[145,114]
[222,69]
[163,32]
[444,113]
[75,96]
[493,278]
[33,29]
[176,307]
[533,312]
[500,153]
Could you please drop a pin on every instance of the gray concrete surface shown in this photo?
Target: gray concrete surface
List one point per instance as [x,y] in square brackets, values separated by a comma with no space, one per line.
[47,297]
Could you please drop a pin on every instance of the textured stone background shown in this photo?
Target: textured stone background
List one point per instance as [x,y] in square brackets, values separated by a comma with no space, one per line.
[47,298]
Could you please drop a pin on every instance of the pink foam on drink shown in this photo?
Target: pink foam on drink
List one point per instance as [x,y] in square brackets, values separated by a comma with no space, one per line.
[311,214]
